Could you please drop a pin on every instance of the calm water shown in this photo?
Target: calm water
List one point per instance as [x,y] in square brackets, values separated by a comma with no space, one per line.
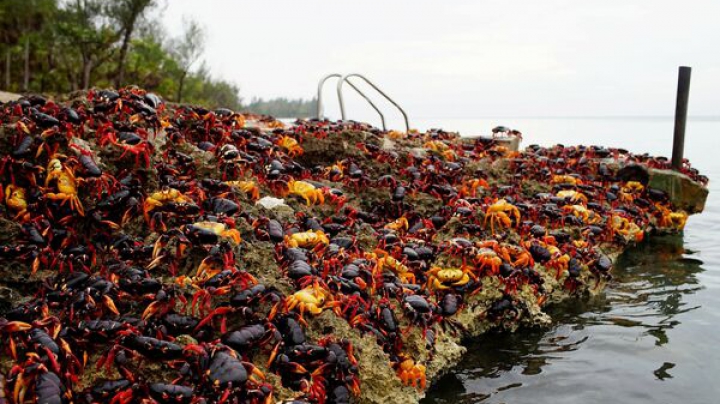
[653,336]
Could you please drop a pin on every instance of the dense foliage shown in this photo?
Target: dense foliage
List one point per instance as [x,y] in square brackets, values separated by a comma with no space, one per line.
[59,46]
[283,107]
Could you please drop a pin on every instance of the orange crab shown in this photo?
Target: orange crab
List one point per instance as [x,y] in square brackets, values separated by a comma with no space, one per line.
[220,230]
[588,216]
[517,256]
[469,188]
[398,225]
[16,199]
[387,261]
[162,197]
[249,187]
[313,299]
[307,191]
[436,146]
[630,190]
[670,219]
[65,183]
[487,258]
[291,145]
[411,373]
[565,179]
[499,213]
[335,171]
[559,262]
[626,228]
[573,196]
[307,239]
[274,124]
[446,278]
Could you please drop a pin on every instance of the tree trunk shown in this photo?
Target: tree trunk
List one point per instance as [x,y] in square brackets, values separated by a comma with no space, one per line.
[26,78]
[7,70]
[180,88]
[87,69]
[120,79]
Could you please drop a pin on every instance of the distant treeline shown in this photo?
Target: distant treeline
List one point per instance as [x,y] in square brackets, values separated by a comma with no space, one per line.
[59,46]
[283,107]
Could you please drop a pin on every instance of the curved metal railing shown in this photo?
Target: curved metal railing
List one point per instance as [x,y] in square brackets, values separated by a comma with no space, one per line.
[321,84]
[371,84]
[319,93]
[341,100]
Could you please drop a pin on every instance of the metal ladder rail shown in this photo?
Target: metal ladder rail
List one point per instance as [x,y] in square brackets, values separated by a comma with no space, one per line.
[371,84]
[319,92]
[321,84]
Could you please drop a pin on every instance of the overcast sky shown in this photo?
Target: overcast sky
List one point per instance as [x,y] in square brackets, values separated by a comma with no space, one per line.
[454,59]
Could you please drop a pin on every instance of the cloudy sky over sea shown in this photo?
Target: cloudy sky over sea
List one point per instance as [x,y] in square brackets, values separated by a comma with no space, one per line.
[471,58]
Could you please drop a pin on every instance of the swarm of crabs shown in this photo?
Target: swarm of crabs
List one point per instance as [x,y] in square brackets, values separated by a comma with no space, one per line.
[132,231]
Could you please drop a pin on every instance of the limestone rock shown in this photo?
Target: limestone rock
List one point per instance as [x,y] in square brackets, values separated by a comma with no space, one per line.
[418,152]
[387,144]
[684,193]
[269,202]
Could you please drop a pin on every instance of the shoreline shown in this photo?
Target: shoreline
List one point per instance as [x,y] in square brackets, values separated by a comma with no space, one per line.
[539,228]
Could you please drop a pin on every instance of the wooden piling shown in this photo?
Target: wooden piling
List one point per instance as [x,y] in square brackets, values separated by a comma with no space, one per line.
[681,106]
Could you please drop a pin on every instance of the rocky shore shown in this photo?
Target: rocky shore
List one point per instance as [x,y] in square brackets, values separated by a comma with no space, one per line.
[238,258]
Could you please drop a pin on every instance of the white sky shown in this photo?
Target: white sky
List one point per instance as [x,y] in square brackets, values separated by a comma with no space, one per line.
[453,59]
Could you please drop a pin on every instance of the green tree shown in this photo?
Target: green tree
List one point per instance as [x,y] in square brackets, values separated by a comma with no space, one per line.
[283,107]
[85,24]
[187,50]
[127,13]
[58,46]
[151,67]
[20,21]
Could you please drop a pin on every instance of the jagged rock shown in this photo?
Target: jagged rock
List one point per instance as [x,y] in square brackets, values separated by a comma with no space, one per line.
[684,193]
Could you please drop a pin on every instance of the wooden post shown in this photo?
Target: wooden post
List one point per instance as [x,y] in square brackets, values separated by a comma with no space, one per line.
[681,107]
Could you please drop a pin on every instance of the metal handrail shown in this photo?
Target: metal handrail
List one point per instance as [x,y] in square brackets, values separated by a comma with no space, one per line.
[321,84]
[371,84]
[319,94]
[382,117]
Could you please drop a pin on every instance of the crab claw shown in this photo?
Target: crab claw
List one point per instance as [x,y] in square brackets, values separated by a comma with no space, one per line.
[16,326]
[233,234]
[195,348]
[20,389]
[297,368]
[123,397]
[155,262]
[257,373]
[153,308]
[110,304]
[209,318]
[36,265]
[159,244]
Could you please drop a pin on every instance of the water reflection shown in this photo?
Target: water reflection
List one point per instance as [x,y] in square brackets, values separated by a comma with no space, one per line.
[647,299]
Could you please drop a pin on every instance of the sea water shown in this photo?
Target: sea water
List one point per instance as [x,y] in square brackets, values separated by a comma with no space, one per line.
[653,336]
